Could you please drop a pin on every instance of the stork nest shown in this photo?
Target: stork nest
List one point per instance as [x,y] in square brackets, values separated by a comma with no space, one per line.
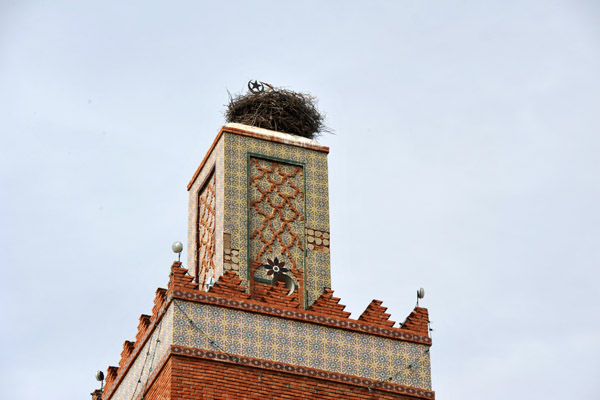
[278,110]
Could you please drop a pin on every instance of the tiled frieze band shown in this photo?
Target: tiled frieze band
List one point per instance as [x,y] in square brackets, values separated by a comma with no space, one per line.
[305,344]
[307,316]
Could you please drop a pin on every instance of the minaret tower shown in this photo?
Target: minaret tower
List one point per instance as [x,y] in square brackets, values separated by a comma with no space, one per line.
[252,315]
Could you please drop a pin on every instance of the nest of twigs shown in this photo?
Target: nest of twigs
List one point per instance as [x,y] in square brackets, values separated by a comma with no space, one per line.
[278,110]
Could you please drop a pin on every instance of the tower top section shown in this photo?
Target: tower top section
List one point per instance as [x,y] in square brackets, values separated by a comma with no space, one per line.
[259,207]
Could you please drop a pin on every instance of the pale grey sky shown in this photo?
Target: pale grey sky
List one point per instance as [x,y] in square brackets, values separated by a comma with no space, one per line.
[465,160]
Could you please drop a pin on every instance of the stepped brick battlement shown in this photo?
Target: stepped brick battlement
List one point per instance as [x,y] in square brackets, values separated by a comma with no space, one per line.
[227,300]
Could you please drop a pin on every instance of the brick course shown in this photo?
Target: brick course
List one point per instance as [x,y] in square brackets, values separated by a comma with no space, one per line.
[161,387]
[193,378]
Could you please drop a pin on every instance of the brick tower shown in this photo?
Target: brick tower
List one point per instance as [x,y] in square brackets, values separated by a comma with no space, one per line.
[253,316]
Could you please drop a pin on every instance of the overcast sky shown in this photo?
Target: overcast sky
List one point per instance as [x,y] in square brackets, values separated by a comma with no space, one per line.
[465,160]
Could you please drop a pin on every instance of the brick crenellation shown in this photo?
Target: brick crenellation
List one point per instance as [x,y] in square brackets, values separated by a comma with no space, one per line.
[324,310]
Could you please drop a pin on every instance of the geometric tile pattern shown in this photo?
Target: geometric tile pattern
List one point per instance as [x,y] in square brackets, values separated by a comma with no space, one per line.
[301,315]
[318,274]
[243,333]
[276,211]
[213,169]
[238,151]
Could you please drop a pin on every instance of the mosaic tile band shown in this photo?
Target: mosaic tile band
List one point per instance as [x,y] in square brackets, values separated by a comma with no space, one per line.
[307,316]
[284,340]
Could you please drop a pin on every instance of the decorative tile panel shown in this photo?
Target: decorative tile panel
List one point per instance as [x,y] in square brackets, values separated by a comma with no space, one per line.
[242,333]
[318,274]
[213,165]
[276,211]
[239,150]
[306,316]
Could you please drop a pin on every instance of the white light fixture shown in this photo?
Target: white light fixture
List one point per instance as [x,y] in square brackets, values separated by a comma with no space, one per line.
[177,247]
[100,378]
[420,295]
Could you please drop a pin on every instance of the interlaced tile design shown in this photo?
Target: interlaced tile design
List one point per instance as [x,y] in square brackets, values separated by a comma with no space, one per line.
[238,152]
[205,239]
[276,192]
[213,170]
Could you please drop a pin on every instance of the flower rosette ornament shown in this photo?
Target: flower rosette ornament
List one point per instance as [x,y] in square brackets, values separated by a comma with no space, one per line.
[275,266]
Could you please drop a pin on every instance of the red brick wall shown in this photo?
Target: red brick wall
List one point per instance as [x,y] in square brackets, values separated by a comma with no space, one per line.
[200,379]
[161,387]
